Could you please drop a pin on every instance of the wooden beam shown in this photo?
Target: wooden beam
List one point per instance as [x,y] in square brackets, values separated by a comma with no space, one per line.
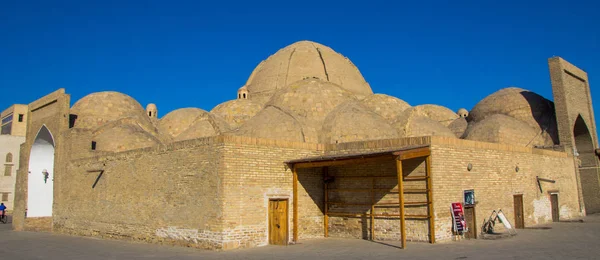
[295,198]
[326,205]
[430,200]
[343,161]
[372,209]
[414,153]
[346,214]
[366,177]
[401,201]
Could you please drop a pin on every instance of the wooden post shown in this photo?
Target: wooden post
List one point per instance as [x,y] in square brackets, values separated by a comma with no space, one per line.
[401,200]
[326,206]
[295,198]
[430,200]
[373,209]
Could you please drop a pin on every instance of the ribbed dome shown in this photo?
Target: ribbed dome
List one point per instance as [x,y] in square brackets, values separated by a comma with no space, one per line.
[236,112]
[272,123]
[351,122]
[97,109]
[499,128]
[196,122]
[386,106]
[302,60]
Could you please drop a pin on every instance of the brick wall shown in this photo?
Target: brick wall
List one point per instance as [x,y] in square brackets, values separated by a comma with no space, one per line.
[495,180]
[254,172]
[169,195]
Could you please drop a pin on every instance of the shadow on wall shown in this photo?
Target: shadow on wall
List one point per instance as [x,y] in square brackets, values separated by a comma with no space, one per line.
[351,201]
[544,113]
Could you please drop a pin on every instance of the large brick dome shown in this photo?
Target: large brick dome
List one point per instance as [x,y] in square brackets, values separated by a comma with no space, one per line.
[301,60]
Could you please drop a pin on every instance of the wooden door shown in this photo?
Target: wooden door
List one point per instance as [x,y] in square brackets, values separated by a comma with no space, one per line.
[554,203]
[471,222]
[278,219]
[519,218]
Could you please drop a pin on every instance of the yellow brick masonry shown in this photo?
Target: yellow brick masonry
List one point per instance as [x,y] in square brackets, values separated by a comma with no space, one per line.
[495,179]
[213,192]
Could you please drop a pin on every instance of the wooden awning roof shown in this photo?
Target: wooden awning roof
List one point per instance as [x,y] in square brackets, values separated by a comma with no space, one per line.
[404,153]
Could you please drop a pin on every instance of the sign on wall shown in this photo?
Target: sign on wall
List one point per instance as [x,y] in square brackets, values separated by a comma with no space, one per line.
[458,217]
[469,196]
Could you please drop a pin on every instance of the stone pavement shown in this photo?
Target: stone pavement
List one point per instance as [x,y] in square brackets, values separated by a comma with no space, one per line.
[565,240]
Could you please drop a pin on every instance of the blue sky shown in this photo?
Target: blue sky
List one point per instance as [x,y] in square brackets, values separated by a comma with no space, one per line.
[198,53]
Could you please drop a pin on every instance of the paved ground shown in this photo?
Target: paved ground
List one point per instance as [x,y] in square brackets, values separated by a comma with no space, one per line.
[560,241]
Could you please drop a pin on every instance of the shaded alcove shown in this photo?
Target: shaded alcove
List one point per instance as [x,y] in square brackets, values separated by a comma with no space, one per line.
[584,146]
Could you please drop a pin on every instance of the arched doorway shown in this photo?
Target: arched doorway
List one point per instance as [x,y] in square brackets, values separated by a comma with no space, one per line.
[588,170]
[41,175]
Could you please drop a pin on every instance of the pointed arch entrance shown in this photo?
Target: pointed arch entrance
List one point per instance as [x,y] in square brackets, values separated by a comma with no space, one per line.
[40,181]
[588,170]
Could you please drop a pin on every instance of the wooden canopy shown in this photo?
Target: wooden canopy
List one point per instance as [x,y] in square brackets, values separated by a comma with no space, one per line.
[398,155]
[404,153]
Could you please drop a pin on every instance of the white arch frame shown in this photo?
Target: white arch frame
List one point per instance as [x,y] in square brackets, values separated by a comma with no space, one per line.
[40,181]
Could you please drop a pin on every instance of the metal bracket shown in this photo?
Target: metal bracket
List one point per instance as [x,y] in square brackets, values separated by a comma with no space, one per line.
[539,180]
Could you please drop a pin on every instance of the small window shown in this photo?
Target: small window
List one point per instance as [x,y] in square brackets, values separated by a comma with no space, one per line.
[244,95]
[7,170]
[239,96]
[9,157]
[4,196]
[72,119]
[93,145]
[150,113]
[20,117]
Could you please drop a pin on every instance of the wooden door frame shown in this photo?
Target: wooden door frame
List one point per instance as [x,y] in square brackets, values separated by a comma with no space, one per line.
[287,219]
[517,222]
[474,219]
[551,193]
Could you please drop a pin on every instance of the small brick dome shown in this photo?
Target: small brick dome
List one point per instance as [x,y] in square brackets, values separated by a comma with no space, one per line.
[386,106]
[123,136]
[97,109]
[351,122]
[411,124]
[459,126]
[499,128]
[236,112]
[272,123]
[191,123]
[436,113]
